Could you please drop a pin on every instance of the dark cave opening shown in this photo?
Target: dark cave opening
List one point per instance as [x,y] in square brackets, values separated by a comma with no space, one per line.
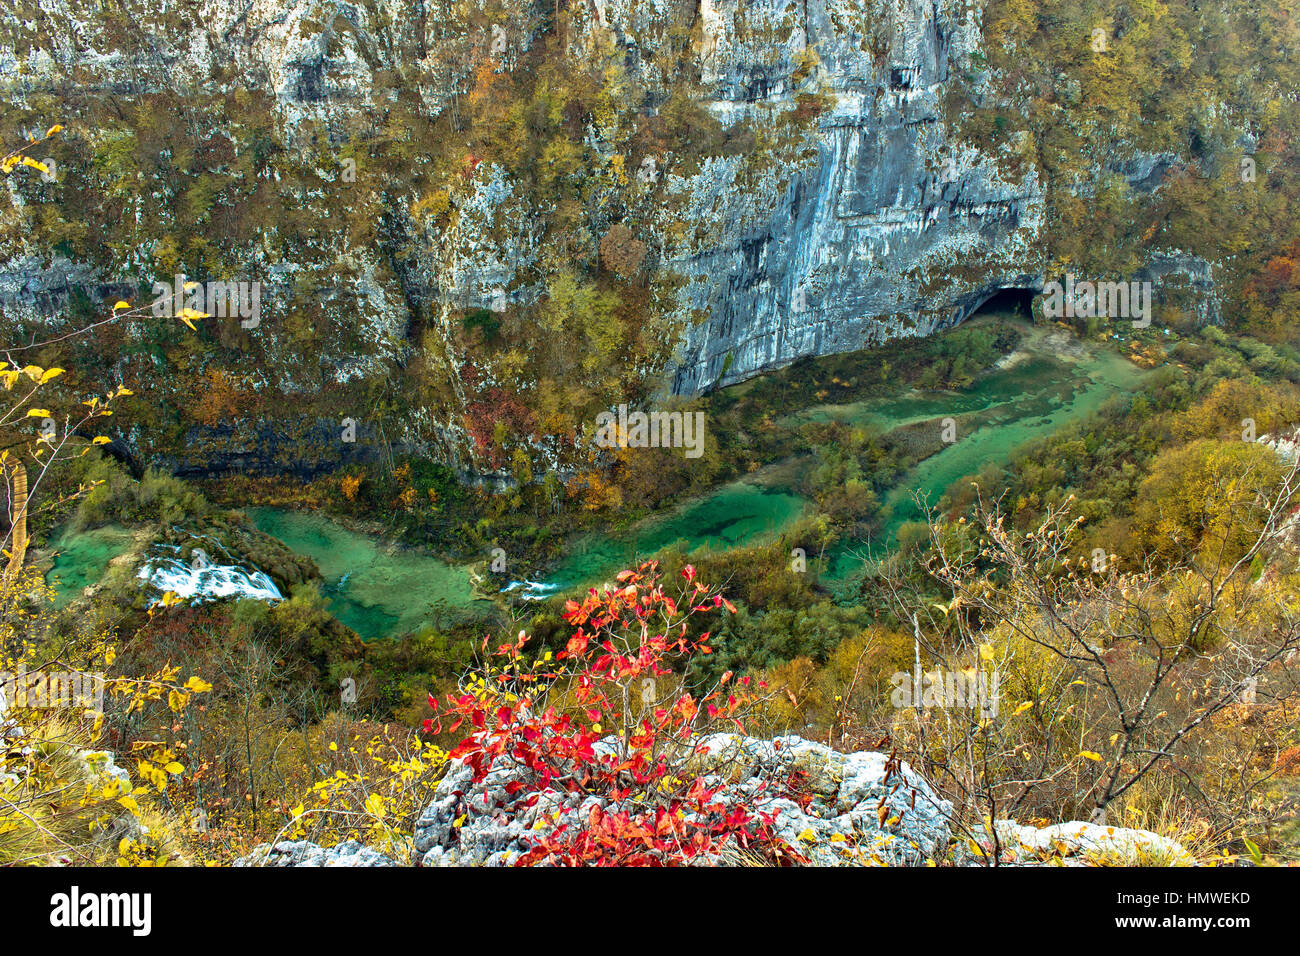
[1014,301]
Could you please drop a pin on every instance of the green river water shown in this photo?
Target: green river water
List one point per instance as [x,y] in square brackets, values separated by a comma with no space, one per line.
[737,514]
[82,557]
[378,588]
[375,587]
[1031,396]
[1028,400]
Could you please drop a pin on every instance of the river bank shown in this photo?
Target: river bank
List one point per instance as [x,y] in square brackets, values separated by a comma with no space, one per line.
[378,586]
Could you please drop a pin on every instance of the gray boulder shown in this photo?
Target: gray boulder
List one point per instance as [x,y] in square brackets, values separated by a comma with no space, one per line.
[852,808]
[305,853]
[834,809]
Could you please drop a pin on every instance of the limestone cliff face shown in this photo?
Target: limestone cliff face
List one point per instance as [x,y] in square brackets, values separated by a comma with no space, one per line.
[891,229]
[869,222]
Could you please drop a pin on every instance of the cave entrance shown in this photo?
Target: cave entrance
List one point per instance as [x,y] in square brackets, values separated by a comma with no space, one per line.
[1014,302]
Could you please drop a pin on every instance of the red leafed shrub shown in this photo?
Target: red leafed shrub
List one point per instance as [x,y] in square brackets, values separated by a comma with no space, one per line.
[614,681]
[497,407]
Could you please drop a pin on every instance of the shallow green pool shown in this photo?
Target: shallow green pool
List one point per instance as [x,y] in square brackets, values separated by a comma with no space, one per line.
[375,587]
[736,514]
[82,557]
[1027,401]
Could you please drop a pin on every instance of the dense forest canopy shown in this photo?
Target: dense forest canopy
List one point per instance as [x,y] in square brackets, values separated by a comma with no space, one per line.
[334,525]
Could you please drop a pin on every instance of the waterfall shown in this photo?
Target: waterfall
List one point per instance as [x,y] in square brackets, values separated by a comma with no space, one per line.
[533,590]
[207,582]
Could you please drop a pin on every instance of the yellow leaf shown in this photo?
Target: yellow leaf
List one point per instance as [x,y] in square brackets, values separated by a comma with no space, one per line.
[986,652]
[1090,755]
[51,373]
[1022,708]
[121,304]
[38,413]
[34,372]
[174,767]
[56,128]
[198,685]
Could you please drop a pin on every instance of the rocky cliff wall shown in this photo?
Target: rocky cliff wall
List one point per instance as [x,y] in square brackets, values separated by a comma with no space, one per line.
[892,229]
[864,218]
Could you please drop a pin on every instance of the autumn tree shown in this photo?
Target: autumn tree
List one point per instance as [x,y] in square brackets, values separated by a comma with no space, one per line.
[1109,676]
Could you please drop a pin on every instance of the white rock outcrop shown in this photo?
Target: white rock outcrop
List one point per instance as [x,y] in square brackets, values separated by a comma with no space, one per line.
[834,809]
[841,823]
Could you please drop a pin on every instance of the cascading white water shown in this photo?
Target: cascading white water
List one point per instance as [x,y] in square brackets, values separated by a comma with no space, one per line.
[533,590]
[204,581]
